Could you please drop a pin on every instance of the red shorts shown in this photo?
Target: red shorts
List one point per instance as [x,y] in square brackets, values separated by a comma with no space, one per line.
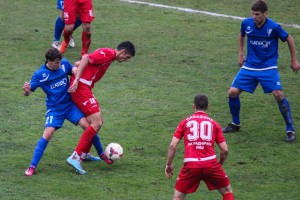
[85,100]
[83,8]
[189,178]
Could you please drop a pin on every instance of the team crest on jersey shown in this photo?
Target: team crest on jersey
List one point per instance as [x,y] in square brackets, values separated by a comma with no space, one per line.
[269,31]
[63,68]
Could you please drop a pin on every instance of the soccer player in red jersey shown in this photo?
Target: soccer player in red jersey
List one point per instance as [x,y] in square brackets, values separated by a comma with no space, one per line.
[199,132]
[91,68]
[83,9]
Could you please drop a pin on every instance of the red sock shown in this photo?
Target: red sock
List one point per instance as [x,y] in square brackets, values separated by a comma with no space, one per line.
[67,36]
[228,196]
[85,140]
[86,41]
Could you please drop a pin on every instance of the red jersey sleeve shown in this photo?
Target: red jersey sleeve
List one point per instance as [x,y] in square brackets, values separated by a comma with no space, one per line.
[179,132]
[102,56]
[219,134]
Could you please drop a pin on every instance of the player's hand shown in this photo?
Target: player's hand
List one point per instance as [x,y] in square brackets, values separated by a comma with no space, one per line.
[295,66]
[169,171]
[74,71]
[241,60]
[73,87]
[26,88]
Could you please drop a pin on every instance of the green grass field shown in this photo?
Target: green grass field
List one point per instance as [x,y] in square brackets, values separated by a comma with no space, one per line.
[179,54]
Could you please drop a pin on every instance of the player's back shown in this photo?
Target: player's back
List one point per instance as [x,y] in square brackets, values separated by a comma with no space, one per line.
[200,132]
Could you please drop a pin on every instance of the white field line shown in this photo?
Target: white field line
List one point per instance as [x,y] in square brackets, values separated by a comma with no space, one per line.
[198,11]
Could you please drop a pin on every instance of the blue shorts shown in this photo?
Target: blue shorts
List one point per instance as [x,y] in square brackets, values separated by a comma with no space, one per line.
[60,4]
[55,117]
[247,80]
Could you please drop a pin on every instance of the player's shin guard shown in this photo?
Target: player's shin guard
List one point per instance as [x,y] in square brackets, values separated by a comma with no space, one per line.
[285,111]
[77,23]
[67,36]
[58,28]
[85,140]
[228,196]
[39,151]
[97,144]
[235,106]
[86,41]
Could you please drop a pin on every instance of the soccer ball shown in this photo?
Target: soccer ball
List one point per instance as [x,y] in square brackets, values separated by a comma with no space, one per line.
[114,151]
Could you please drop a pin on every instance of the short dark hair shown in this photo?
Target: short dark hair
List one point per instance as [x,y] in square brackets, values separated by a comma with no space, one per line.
[128,46]
[260,6]
[201,102]
[53,54]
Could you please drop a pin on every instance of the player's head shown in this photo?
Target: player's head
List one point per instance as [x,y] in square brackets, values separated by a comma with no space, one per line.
[125,51]
[53,58]
[260,6]
[201,102]
[259,12]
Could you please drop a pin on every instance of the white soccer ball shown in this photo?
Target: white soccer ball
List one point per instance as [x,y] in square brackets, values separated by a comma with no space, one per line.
[114,151]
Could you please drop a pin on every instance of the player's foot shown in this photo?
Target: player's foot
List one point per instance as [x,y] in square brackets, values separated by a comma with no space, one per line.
[56,44]
[231,128]
[63,47]
[72,42]
[106,159]
[76,165]
[290,136]
[29,171]
[90,157]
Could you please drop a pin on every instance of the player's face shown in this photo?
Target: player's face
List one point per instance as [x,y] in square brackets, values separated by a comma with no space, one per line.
[259,17]
[123,56]
[54,65]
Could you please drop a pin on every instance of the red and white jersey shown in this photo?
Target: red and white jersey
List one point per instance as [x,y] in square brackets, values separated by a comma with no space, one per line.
[99,61]
[200,132]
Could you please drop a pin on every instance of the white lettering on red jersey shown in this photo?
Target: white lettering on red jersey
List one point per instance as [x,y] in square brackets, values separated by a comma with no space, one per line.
[200,132]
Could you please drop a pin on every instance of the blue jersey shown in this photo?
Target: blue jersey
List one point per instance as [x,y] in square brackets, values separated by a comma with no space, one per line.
[262,44]
[60,4]
[54,83]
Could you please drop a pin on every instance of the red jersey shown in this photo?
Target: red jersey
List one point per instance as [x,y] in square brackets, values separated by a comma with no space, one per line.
[200,132]
[99,61]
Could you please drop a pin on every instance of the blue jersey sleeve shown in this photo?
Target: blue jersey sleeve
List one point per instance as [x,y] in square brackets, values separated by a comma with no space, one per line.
[282,34]
[35,82]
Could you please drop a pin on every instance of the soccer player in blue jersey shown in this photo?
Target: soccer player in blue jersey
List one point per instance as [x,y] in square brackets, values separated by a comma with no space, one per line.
[60,25]
[260,65]
[52,78]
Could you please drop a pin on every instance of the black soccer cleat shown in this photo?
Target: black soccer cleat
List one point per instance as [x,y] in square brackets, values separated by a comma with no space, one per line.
[290,136]
[231,128]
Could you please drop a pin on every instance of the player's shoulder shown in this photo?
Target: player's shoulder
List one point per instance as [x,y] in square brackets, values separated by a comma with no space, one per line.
[271,23]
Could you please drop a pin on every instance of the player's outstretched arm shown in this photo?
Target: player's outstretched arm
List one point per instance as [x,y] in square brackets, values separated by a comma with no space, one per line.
[294,62]
[26,89]
[81,66]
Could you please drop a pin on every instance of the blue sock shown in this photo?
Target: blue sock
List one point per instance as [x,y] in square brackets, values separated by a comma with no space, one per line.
[77,23]
[39,151]
[286,113]
[97,144]
[58,28]
[235,106]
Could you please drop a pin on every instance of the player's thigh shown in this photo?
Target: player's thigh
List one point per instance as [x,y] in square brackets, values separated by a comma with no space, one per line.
[74,114]
[178,195]
[245,80]
[85,11]
[215,177]
[86,102]
[270,80]
[70,11]
[188,180]
[54,119]
[48,133]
